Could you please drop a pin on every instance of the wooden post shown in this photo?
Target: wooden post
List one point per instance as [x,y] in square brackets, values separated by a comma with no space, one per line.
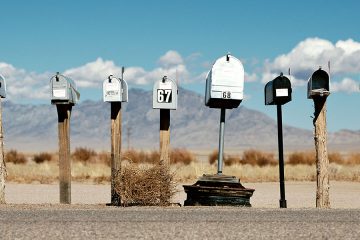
[2,161]
[322,160]
[64,113]
[164,153]
[165,137]
[115,152]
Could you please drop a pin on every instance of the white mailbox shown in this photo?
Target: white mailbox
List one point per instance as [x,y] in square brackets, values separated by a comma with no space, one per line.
[318,84]
[63,90]
[2,87]
[225,83]
[165,94]
[115,90]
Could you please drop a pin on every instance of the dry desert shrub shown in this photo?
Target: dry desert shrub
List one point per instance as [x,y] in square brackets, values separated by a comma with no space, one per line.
[42,157]
[181,156]
[336,158]
[104,157]
[145,185]
[353,159]
[255,157]
[83,155]
[305,158]
[213,157]
[135,156]
[15,157]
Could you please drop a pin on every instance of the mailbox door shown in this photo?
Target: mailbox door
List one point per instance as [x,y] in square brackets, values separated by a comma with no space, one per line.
[269,93]
[112,90]
[282,90]
[60,89]
[2,87]
[165,95]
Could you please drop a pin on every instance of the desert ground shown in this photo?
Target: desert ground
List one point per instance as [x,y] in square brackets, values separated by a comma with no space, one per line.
[32,212]
[343,195]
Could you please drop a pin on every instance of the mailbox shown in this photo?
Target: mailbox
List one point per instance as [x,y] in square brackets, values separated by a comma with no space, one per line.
[318,84]
[165,94]
[225,83]
[63,90]
[115,90]
[278,91]
[2,87]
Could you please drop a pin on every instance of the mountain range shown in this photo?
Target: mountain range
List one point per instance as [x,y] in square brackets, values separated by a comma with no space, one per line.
[33,128]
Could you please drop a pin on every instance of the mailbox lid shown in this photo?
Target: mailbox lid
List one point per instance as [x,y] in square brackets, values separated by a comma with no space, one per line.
[165,94]
[281,90]
[2,87]
[227,71]
[112,90]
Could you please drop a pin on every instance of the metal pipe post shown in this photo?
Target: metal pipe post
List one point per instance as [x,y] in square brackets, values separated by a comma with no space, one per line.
[281,158]
[221,141]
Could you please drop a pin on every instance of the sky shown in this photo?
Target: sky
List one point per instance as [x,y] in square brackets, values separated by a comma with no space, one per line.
[87,40]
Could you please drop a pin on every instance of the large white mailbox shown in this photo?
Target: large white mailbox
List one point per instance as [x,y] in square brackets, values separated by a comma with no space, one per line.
[318,84]
[115,90]
[225,83]
[2,87]
[63,90]
[165,93]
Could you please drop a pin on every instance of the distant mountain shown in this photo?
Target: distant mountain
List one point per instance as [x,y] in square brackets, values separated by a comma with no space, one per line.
[194,126]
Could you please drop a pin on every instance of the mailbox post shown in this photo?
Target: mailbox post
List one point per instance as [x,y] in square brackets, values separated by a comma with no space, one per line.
[278,92]
[115,91]
[64,95]
[2,159]
[224,90]
[319,90]
[165,94]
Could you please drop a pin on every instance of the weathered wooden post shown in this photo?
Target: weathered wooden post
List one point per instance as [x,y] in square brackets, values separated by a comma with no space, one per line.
[278,92]
[64,95]
[2,158]
[115,91]
[318,90]
[165,94]
[224,90]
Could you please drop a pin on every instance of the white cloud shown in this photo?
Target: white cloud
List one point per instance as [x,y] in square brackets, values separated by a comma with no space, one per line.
[311,53]
[346,85]
[170,59]
[22,84]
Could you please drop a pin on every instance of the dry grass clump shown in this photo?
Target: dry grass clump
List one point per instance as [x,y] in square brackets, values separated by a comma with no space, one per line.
[336,158]
[145,185]
[251,157]
[15,157]
[181,156]
[104,157]
[353,159]
[176,156]
[255,157]
[42,157]
[83,155]
[305,158]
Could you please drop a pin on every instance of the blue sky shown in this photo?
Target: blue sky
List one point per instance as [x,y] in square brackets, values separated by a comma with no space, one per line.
[87,40]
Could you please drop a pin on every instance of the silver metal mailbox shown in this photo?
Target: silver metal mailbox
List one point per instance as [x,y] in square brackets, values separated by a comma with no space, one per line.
[278,91]
[2,87]
[318,84]
[225,83]
[115,90]
[165,93]
[63,90]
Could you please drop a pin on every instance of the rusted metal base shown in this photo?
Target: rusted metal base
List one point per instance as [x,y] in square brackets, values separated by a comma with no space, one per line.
[217,190]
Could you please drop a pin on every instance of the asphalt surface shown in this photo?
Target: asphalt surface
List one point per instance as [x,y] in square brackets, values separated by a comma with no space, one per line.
[101,222]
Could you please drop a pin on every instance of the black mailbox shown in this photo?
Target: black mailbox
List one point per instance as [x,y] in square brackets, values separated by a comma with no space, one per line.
[278,91]
[318,84]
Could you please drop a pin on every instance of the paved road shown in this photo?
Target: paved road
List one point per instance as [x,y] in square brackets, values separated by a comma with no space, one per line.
[101,222]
